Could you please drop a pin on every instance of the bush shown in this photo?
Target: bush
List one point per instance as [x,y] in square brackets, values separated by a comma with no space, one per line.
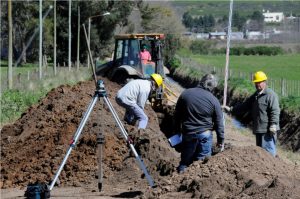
[15,102]
[202,47]
[174,63]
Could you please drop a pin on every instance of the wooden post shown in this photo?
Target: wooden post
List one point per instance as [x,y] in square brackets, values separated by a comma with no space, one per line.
[19,78]
[282,87]
[28,75]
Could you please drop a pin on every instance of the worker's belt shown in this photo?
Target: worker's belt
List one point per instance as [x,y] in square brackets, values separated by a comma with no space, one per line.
[196,133]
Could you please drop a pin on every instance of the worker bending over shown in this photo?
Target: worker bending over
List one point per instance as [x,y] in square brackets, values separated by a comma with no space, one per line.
[133,97]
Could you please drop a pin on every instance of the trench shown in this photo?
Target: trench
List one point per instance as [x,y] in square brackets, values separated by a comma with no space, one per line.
[288,137]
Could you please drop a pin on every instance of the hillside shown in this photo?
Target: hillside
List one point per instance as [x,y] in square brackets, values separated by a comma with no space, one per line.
[220,8]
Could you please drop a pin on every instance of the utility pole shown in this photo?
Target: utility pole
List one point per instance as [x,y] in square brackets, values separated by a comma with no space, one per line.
[89,31]
[70,11]
[78,37]
[41,40]
[9,71]
[227,53]
[54,40]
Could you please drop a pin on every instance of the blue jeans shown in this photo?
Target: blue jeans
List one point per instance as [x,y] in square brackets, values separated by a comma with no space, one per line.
[267,142]
[195,147]
[134,112]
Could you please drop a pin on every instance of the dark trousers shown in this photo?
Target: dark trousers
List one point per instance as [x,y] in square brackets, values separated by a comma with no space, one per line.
[195,147]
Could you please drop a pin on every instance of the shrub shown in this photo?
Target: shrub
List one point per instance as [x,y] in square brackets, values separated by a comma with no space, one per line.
[202,47]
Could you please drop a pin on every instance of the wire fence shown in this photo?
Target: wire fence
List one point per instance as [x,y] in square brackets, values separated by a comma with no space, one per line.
[282,87]
[25,80]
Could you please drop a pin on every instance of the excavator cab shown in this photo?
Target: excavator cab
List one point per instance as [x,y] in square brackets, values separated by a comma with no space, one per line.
[128,62]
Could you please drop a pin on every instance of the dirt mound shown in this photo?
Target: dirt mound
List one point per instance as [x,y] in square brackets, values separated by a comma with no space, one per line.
[33,147]
[248,172]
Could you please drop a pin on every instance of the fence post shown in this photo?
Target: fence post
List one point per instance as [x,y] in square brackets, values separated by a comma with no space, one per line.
[19,78]
[282,87]
[28,75]
[251,75]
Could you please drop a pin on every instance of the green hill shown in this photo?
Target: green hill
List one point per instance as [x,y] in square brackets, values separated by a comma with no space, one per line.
[245,8]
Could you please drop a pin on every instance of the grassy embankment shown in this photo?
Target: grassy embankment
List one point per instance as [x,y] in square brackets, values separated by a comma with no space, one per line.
[273,65]
[28,92]
[285,66]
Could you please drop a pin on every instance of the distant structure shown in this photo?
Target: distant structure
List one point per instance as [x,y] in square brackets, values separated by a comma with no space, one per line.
[217,35]
[273,16]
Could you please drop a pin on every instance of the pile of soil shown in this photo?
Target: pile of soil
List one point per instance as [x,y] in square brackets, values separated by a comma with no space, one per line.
[34,146]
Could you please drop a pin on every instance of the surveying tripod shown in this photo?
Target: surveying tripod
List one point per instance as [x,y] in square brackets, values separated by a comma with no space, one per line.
[101,93]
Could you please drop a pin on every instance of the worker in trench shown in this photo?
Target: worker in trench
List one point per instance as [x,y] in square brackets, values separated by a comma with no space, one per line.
[133,97]
[198,112]
[264,108]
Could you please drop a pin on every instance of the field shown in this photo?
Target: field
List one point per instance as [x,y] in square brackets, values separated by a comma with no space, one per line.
[282,66]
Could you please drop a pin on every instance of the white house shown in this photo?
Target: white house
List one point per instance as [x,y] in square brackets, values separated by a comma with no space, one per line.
[273,16]
[254,35]
[217,35]
[237,35]
[202,36]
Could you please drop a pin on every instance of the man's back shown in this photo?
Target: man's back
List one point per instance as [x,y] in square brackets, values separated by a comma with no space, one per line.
[135,92]
[198,110]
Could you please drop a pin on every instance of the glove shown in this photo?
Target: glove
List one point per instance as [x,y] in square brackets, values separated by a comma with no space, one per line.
[227,108]
[273,129]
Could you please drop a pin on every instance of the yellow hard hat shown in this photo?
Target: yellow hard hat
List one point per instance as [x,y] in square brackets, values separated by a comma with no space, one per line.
[157,78]
[259,76]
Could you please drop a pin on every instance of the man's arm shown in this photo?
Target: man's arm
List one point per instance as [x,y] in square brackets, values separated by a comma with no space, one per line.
[274,110]
[219,123]
[177,115]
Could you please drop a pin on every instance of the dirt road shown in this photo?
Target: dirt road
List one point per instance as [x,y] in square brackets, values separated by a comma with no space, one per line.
[33,147]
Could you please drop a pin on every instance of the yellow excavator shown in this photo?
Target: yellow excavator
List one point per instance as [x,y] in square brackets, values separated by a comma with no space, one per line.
[127,63]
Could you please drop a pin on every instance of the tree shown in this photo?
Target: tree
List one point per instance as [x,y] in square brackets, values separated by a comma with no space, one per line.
[163,19]
[257,21]
[187,20]
[238,21]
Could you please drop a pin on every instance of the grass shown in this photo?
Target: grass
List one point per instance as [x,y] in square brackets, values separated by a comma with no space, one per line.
[195,66]
[280,66]
[28,92]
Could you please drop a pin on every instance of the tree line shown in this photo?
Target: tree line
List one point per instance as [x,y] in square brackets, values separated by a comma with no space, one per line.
[25,22]
[209,23]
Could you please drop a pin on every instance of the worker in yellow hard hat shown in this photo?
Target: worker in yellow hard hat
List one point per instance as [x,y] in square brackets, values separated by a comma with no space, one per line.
[133,97]
[264,108]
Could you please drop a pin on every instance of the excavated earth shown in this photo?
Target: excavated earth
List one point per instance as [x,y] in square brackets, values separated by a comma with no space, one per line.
[34,146]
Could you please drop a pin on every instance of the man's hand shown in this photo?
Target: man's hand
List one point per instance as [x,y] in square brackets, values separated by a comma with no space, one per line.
[226,108]
[220,147]
[273,129]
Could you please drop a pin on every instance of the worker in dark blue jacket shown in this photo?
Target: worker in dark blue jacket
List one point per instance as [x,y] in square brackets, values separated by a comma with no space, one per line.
[198,112]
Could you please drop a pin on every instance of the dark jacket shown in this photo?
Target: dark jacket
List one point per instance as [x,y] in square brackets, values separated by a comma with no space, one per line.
[198,110]
[264,108]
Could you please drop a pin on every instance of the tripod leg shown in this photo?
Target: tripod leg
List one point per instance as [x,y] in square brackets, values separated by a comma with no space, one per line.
[117,119]
[75,138]
[100,142]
